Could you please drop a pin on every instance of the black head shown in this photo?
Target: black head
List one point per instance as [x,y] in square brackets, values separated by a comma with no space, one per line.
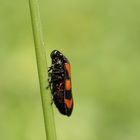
[56,54]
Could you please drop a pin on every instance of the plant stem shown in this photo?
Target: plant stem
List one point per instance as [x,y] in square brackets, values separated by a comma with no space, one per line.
[42,71]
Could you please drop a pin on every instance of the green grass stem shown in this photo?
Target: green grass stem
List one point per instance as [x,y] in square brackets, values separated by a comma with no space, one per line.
[42,70]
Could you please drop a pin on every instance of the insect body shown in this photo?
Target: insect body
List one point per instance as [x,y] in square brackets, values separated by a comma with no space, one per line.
[60,83]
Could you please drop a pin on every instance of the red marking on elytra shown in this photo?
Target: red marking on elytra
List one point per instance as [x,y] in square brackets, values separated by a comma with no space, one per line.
[67,65]
[68,103]
[68,85]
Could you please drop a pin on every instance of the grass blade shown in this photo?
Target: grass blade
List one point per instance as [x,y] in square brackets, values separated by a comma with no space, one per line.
[42,70]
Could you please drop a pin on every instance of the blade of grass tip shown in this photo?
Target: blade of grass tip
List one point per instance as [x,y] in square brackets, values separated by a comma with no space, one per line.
[42,71]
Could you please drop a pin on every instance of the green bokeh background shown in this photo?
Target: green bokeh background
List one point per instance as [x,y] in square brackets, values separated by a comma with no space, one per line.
[102,41]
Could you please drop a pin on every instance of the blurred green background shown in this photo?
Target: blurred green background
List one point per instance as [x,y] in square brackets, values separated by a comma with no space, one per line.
[102,41]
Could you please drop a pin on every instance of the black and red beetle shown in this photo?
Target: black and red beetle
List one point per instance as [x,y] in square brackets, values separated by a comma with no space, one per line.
[60,83]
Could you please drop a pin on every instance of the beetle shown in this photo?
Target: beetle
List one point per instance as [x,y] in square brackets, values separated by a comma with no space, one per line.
[60,82]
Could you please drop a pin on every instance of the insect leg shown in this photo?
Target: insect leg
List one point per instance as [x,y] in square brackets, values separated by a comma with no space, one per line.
[50,68]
